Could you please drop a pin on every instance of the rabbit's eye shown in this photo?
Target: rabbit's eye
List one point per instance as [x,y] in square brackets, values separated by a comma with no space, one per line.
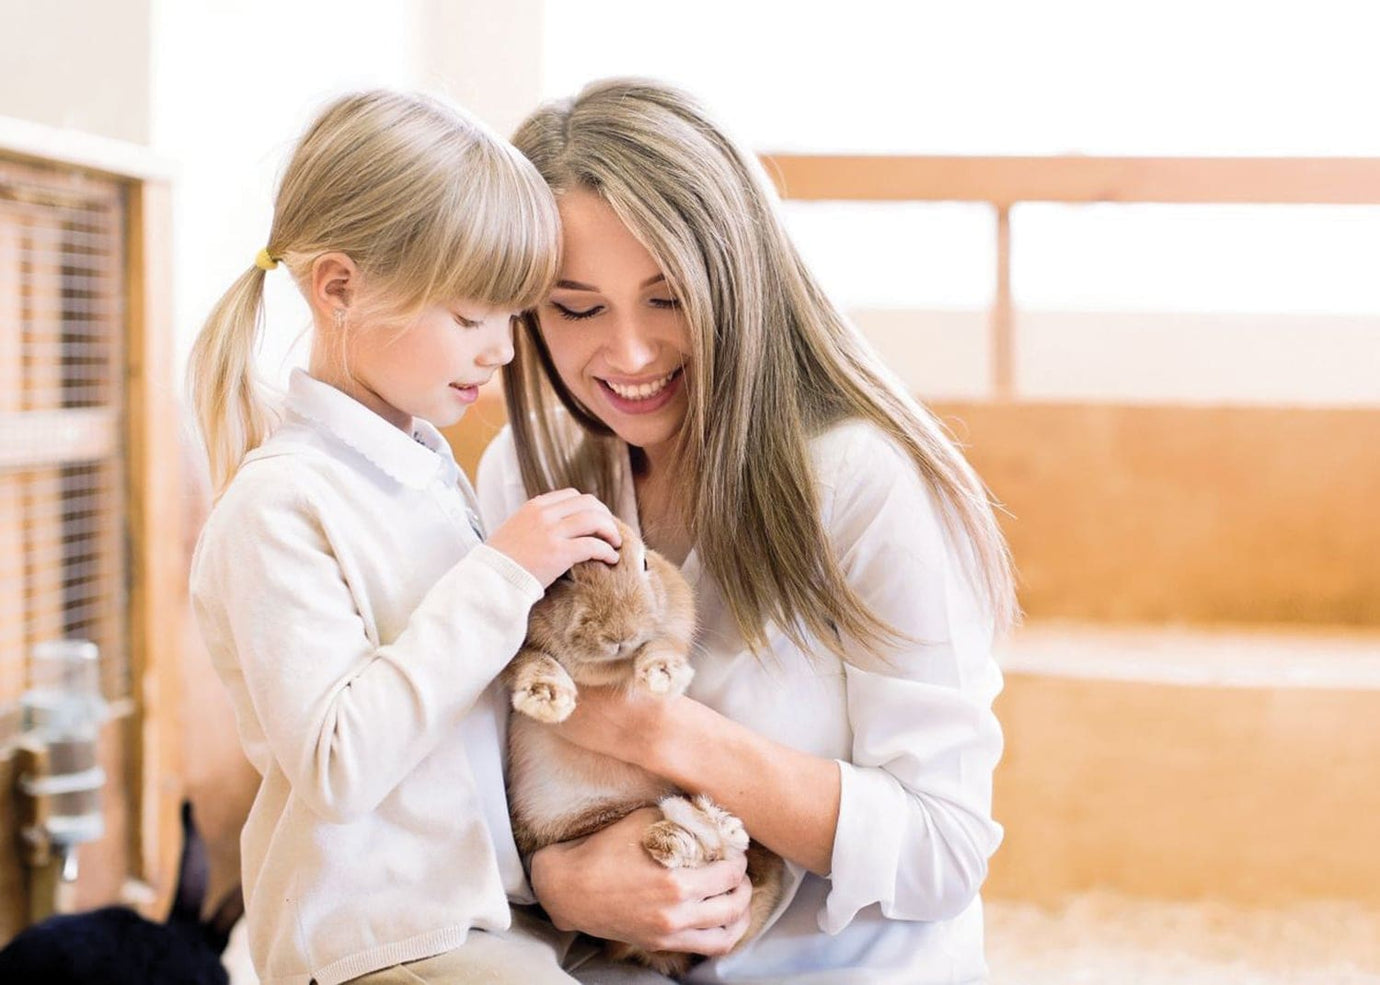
[645,565]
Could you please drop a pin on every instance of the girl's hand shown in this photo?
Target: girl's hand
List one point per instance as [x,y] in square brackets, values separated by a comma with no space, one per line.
[555,530]
[608,886]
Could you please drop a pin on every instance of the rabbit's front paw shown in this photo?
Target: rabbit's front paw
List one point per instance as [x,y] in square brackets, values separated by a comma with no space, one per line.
[663,671]
[543,697]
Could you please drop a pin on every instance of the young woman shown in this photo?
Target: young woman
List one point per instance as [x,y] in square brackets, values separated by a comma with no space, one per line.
[849,573]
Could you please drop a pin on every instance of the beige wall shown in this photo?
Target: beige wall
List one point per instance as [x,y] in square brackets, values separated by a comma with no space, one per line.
[78,64]
[1257,795]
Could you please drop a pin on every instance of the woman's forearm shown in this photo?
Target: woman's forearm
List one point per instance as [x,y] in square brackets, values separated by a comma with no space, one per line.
[788,799]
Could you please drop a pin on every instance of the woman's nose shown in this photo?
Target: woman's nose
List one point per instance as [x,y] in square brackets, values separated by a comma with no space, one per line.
[630,348]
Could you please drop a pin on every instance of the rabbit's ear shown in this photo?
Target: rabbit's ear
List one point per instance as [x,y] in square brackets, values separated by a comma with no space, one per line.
[193,873]
[228,913]
[575,614]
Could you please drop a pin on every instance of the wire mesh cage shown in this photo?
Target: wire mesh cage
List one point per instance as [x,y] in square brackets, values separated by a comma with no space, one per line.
[64,566]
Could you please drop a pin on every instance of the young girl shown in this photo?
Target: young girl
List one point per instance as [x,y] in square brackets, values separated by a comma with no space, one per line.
[848,570]
[341,583]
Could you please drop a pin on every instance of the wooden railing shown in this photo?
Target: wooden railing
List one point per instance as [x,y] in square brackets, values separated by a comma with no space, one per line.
[1003,182]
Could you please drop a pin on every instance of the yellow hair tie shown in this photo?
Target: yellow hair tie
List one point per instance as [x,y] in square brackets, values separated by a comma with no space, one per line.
[263,261]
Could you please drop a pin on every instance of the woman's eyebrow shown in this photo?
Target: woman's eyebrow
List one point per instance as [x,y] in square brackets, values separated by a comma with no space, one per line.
[575,285]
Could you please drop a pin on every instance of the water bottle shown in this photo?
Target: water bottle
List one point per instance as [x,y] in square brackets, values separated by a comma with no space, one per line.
[64,710]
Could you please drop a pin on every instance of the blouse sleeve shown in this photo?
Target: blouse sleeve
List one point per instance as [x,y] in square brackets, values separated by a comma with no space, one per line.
[344,717]
[915,829]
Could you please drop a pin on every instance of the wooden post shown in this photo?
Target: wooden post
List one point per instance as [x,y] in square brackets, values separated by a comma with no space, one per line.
[158,585]
[1002,318]
[47,892]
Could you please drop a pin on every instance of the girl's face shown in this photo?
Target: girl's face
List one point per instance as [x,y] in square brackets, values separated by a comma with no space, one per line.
[616,333]
[433,368]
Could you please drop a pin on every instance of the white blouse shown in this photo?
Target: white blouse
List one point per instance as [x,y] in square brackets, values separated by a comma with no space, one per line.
[914,735]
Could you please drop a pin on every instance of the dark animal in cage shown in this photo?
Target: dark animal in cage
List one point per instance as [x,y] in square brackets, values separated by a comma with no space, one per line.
[117,946]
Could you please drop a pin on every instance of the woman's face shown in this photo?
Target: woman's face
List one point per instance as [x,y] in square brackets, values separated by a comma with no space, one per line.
[616,333]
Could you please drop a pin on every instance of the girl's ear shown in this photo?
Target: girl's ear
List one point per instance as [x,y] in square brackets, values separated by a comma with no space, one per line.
[334,282]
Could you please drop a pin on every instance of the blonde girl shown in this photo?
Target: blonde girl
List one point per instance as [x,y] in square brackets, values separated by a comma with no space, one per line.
[341,584]
[849,572]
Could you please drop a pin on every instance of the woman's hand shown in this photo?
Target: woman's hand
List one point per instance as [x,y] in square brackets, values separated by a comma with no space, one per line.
[608,886]
[551,532]
[625,724]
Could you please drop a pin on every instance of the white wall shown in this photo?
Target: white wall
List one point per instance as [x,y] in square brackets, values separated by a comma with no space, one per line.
[77,64]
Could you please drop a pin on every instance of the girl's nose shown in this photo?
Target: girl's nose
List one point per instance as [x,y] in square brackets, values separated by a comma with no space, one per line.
[498,350]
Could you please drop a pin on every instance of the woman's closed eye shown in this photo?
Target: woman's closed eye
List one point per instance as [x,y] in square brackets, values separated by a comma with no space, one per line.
[664,302]
[577,314]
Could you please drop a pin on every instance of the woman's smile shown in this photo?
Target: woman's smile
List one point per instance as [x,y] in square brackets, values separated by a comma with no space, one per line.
[641,397]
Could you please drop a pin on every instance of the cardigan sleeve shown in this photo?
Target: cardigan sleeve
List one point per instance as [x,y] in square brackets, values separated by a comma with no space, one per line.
[915,829]
[344,716]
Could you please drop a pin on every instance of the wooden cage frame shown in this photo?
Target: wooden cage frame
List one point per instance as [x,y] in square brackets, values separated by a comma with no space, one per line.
[154,492]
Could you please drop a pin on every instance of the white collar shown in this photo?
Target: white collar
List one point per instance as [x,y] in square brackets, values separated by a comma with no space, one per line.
[414,461]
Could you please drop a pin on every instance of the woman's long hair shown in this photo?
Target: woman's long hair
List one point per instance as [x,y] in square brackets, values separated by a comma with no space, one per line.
[429,204]
[775,363]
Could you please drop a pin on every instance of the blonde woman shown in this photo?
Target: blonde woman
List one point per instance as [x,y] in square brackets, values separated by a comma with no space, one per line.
[340,583]
[849,573]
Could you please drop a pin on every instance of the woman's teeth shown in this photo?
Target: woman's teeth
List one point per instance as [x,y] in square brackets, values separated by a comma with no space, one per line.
[643,390]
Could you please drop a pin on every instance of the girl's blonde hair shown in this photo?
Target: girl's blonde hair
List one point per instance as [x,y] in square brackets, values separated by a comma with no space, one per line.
[430,205]
[765,341]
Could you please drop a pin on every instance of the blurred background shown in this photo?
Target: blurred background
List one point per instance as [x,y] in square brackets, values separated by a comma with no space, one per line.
[1127,252]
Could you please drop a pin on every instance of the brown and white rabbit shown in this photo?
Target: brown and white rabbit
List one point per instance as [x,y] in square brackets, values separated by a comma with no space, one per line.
[627,625]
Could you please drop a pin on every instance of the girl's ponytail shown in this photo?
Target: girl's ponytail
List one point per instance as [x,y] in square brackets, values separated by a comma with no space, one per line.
[232,414]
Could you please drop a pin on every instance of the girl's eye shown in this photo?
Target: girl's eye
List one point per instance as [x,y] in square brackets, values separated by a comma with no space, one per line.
[464,322]
[574,315]
[665,302]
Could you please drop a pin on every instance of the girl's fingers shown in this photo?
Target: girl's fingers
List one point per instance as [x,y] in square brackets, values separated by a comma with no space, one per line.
[595,549]
[563,502]
[596,522]
[556,496]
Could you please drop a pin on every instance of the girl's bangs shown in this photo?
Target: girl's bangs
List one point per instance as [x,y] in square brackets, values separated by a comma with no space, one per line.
[501,233]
